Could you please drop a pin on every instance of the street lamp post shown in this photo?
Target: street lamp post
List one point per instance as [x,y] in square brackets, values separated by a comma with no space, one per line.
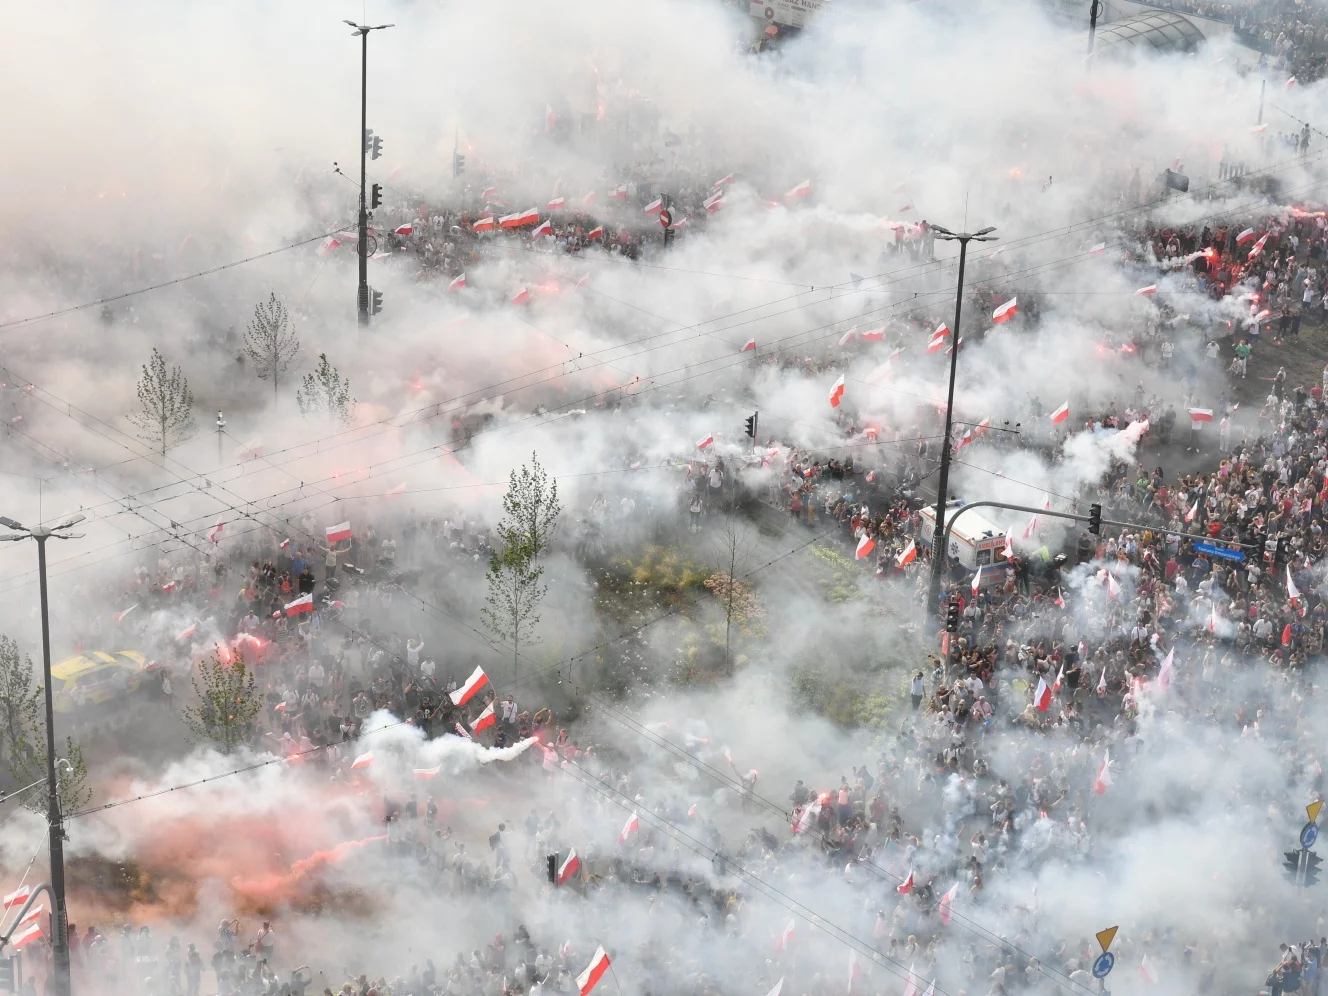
[55,822]
[943,484]
[362,297]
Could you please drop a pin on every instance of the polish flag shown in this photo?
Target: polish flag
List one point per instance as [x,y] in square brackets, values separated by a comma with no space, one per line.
[1146,291]
[570,866]
[750,344]
[594,971]
[1103,780]
[1098,249]
[618,193]
[337,533]
[947,901]
[18,897]
[865,546]
[327,245]
[1286,635]
[215,534]
[1060,414]
[1212,618]
[691,811]
[483,225]
[1194,510]
[911,983]
[782,942]
[363,761]
[424,774]
[186,634]
[951,349]
[722,181]
[557,204]
[485,719]
[463,732]
[1102,682]
[1060,677]
[977,580]
[809,813]
[456,284]
[520,297]
[935,344]
[629,827]
[714,202]
[906,886]
[1290,83]
[854,971]
[909,554]
[1164,672]
[1201,414]
[1042,697]
[1257,129]
[1258,246]
[1006,311]
[1113,589]
[26,936]
[942,330]
[801,190]
[119,616]
[168,587]
[488,192]
[477,680]
[545,228]
[595,233]
[284,544]
[848,336]
[1031,528]
[31,916]
[1147,971]
[1008,551]
[837,392]
[1293,592]
[589,198]
[305,603]
[704,441]
[1245,236]
[655,206]
[405,229]
[510,221]
[778,987]
[873,335]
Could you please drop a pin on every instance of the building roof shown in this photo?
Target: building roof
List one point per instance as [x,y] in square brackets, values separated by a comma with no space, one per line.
[1157,31]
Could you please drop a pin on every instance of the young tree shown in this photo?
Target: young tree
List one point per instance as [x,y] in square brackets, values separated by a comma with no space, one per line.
[515,593]
[23,713]
[227,706]
[734,544]
[166,405]
[269,341]
[326,393]
[530,510]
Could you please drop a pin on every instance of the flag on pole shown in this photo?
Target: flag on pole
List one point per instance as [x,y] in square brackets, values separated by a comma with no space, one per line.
[424,774]
[618,193]
[26,936]
[186,634]
[456,284]
[655,206]
[521,296]
[545,227]
[1201,414]
[595,233]
[483,225]
[801,190]
[119,616]
[1147,971]
[570,866]
[215,533]
[704,441]
[556,204]
[1148,291]
[1042,697]
[873,335]
[911,983]
[837,392]
[594,971]
[1008,550]
[907,555]
[906,886]
[786,935]
[1102,683]
[1103,780]
[1098,249]
[946,904]
[1060,677]
[485,719]
[854,970]
[1006,311]
[778,986]
[477,681]
[338,533]
[1060,414]
[629,827]
[1164,672]
[1245,236]
[284,544]
[363,761]
[305,603]
[714,202]
[865,546]
[977,580]
[18,897]
[749,345]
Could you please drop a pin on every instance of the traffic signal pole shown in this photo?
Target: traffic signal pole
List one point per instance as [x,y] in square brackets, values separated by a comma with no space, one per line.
[362,296]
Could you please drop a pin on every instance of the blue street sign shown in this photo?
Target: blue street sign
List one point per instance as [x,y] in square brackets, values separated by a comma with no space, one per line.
[1309,833]
[1220,552]
[1102,967]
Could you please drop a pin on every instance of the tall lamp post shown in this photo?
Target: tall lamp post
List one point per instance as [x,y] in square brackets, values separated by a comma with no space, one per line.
[55,822]
[362,297]
[943,484]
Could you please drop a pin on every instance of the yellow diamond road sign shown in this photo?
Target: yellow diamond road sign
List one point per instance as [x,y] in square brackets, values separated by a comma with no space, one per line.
[1105,937]
[1313,810]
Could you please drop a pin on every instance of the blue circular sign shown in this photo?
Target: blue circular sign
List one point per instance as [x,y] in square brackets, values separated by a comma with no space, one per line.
[1102,967]
[1309,833]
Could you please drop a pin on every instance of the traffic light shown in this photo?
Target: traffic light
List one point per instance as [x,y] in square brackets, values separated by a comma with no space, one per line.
[1312,862]
[1291,866]
[375,301]
[375,147]
[7,975]
[375,195]
[1095,519]
[551,863]
[952,618]
[751,426]
[458,164]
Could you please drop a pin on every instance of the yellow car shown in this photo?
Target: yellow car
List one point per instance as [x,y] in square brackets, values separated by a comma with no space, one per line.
[96,677]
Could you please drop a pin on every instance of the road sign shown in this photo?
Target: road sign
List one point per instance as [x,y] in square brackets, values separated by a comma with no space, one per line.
[1102,967]
[1313,810]
[1220,552]
[1105,937]
[1309,833]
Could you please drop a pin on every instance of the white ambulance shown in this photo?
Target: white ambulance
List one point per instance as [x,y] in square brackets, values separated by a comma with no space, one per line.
[975,542]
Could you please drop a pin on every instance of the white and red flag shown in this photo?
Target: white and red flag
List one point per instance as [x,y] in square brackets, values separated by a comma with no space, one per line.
[456,284]
[556,204]
[338,533]
[424,774]
[485,719]
[1060,414]
[714,202]
[786,935]
[545,227]
[873,335]
[779,986]
[907,555]
[848,336]
[326,247]
[18,897]
[618,193]
[1164,672]
[1201,414]
[655,206]
[406,229]
[906,886]
[1006,311]
[630,827]
[26,936]
[570,866]
[305,603]
[594,972]
[723,181]
[1113,589]
[363,761]
[911,983]
[865,546]
[800,191]
[837,392]
[977,580]
[1194,511]
[1098,249]
[1008,550]
[187,633]
[1148,291]
[1103,780]
[947,902]
[483,225]
[520,297]
[119,616]
[1293,593]
[215,534]
[1060,677]
[1245,236]
[1042,697]
[704,441]
[596,233]
[477,681]
[854,969]
[749,345]
[1147,972]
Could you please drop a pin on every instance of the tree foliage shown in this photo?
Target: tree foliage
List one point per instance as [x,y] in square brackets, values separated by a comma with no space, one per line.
[530,510]
[23,714]
[516,589]
[326,392]
[166,405]
[227,705]
[269,342]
